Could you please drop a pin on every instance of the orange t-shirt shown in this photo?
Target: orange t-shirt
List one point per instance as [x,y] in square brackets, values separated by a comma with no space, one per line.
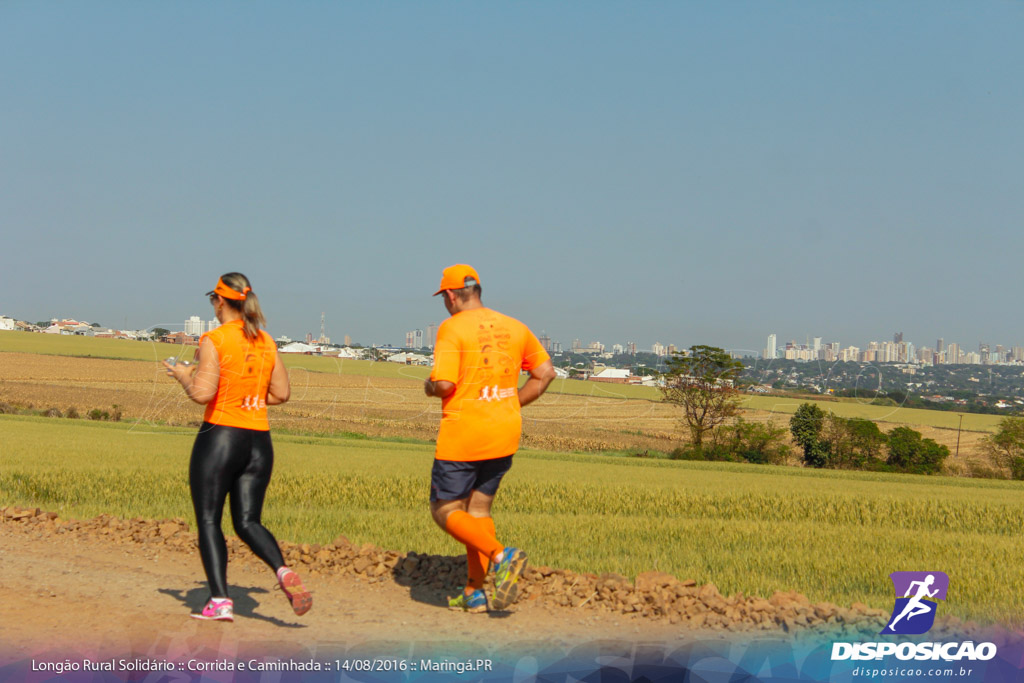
[245,367]
[481,351]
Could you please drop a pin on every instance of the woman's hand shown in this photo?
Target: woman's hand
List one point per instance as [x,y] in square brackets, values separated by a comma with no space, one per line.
[179,371]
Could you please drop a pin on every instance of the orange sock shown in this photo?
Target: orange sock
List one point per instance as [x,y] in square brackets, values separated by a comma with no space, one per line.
[473,532]
[477,561]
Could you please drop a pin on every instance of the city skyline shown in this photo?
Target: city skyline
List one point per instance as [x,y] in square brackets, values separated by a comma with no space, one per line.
[898,350]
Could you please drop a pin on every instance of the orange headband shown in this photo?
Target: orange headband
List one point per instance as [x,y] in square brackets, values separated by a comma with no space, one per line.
[229,293]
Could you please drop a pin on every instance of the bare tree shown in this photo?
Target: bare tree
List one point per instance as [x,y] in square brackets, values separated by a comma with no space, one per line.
[700,381]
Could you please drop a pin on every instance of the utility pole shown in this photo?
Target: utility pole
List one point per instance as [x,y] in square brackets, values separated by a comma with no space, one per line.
[958,434]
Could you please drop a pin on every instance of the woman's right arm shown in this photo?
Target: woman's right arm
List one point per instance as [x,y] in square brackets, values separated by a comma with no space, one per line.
[280,389]
[201,385]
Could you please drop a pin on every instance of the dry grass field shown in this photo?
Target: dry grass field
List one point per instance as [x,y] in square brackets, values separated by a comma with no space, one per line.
[382,400]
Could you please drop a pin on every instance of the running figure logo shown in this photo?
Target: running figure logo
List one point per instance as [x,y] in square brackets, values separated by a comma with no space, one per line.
[914,612]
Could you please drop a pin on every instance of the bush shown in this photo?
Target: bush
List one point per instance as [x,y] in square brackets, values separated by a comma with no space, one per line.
[977,470]
[72,413]
[1017,468]
[852,443]
[53,412]
[908,452]
[97,414]
[6,409]
[755,442]
[1006,446]
[687,453]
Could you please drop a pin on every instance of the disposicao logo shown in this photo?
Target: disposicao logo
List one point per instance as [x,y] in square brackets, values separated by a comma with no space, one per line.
[914,614]
[916,595]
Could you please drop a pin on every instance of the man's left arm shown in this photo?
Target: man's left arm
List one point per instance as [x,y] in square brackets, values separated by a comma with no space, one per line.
[446,365]
[439,388]
[540,377]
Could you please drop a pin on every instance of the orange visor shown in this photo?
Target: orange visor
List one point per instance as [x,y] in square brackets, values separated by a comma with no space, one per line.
[227,292]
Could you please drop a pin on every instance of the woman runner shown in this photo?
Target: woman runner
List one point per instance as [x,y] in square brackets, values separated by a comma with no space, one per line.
[238,374]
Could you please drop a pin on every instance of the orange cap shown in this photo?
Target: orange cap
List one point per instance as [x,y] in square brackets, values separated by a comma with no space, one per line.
[454,277]
[227,292]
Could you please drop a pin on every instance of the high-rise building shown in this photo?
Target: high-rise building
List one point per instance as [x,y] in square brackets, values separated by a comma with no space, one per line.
[897,337]
[770,351]
[940,345]
[545,341]
[953,354]
[348,340]
[658,349]
[431,334]
[212,325]
[414,339]
[194,326]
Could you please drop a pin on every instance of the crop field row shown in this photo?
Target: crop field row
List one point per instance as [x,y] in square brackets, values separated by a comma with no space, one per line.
[834,536]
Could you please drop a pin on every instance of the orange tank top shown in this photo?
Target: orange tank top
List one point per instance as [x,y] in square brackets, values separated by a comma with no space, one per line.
[245,367]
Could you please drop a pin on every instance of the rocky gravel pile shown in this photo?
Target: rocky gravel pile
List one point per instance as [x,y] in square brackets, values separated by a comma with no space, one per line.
[653,595]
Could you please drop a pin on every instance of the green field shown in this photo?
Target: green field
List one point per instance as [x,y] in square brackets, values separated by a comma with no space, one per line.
[88,347]
[832,535]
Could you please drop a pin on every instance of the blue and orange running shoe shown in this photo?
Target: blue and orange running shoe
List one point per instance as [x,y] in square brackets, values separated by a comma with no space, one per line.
[469,602]
[506,577]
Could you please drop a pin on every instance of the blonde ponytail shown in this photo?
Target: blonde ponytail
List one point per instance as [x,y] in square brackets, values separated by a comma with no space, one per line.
[250,309]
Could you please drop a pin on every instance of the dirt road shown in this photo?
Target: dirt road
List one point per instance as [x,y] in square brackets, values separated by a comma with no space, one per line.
[121,590]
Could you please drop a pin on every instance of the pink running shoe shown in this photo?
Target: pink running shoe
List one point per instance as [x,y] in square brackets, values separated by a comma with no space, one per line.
[217,610]
[297,594]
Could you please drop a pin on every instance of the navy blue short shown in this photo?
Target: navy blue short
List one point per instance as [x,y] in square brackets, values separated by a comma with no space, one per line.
[455,479]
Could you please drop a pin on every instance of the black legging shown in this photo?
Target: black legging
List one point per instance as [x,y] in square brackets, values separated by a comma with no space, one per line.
[239,461]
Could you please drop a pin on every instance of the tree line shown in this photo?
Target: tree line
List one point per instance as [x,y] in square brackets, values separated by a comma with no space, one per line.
[702,383]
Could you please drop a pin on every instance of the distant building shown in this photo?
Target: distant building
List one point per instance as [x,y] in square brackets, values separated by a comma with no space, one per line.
[298,347]
[410,359]
[414,339]
[194,326]
[613,375]
[180,338]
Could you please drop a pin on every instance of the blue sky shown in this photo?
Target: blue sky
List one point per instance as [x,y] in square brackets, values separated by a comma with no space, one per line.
[693,173]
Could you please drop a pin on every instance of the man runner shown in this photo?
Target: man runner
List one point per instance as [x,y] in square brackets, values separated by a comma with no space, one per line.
[477,358]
